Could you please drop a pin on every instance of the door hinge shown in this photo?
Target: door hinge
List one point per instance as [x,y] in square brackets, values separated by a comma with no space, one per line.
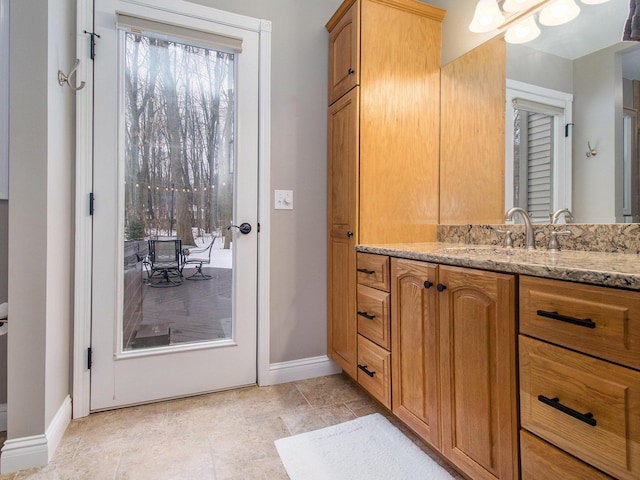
[89,358]
[258,227]
[92,43]
[91,203]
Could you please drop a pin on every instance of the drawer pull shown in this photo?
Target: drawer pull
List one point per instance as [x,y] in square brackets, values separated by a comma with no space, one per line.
[366,370]
[582,322]
[368,272]
[555,403]
[366,315]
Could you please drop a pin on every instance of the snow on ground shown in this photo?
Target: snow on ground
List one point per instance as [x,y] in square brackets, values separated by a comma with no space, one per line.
[220,257]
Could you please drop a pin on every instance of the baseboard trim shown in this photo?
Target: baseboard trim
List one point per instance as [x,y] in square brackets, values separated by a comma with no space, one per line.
[301,369]
[3,417]
[37,450]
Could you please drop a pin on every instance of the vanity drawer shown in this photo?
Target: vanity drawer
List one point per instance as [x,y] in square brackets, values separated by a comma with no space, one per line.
[603,322]
[374,370]
[373,270]
[373,315]
[588,407]
[541,460]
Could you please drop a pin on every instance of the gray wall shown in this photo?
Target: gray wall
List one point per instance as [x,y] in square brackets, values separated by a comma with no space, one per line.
[4,279]
[41,152]
[299,75]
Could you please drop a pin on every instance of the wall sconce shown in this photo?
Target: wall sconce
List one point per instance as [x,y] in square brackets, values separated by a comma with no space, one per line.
[559,12]
[487,17]
[522,32]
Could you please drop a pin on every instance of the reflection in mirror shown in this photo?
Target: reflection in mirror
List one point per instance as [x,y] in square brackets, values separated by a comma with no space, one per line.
[585,58]
[538,154]
[631,208]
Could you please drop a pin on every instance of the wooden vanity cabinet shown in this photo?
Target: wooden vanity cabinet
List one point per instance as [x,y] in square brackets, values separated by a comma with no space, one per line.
[373,325]
[478,370]
[454,363]
[415,346]
[344,51]
[383,143]
[579,376]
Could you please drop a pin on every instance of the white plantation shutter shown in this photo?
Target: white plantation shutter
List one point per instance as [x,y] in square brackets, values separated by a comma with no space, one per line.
[539,165]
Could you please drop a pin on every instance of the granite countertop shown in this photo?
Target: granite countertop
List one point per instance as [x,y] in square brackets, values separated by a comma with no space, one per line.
[596,268]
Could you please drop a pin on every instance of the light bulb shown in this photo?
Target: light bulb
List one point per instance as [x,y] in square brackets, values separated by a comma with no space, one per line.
[518,5]
[487,17]
[522,32]
[559,12]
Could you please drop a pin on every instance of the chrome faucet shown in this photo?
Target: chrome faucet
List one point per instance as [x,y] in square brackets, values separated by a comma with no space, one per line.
[568,217]
[531,241]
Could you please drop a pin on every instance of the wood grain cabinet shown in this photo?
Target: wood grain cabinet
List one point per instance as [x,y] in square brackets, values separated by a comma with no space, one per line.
[373,324]
[454,363]
[579,379]
[383,143]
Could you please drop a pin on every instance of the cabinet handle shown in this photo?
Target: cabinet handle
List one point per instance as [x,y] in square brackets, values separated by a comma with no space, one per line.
[349,233]
[366,315]
[441,287]
[351,71]
[368,272]
[428,284]
[555,403]
[365,370]
[582,322]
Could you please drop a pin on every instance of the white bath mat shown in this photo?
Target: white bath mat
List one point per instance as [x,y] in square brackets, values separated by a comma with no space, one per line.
[367,448]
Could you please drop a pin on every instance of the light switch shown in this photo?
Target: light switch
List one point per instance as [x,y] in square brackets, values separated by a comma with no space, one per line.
[283,199]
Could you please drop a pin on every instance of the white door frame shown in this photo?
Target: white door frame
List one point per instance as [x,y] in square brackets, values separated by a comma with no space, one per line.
[84,174]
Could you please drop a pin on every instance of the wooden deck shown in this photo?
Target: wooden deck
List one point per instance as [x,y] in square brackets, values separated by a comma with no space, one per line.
[194,311]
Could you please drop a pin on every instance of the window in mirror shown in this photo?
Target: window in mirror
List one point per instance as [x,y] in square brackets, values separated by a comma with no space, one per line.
[630,206]
[538,150]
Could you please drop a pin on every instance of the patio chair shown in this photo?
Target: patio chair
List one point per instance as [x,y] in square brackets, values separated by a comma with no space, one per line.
[202,257]
[164,262]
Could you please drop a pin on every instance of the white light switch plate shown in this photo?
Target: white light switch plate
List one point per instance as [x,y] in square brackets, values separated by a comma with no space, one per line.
[283,199]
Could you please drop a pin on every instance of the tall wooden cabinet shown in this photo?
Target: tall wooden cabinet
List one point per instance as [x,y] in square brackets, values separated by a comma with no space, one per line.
[384,117]
[454,363]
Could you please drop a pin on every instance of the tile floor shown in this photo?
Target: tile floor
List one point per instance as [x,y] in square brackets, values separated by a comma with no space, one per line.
[219,436]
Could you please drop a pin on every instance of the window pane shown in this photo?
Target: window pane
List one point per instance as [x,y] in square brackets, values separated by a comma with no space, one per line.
[178,191]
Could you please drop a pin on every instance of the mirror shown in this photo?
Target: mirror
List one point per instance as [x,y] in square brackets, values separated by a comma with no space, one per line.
[586,58]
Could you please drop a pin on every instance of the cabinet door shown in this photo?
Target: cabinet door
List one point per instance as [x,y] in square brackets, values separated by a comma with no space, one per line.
[478,371]
[343,231]
[415,347]
[344,49]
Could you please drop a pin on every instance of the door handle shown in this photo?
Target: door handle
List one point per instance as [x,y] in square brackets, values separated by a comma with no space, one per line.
[244,228]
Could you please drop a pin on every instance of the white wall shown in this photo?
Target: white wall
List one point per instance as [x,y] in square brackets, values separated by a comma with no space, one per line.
[298,162]
[456,37]
[535,67]
[41,146]
[597,88]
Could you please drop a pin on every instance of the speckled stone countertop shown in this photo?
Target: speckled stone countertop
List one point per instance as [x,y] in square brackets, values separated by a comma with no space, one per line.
[597,268]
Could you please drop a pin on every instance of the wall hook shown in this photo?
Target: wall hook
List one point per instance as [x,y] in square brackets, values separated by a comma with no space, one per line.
[591,152]
[62,78]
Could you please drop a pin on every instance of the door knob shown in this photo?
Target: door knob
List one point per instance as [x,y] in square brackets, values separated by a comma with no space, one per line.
[244,228]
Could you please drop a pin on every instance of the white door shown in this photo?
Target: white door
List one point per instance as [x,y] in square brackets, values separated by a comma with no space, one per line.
[175,164]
